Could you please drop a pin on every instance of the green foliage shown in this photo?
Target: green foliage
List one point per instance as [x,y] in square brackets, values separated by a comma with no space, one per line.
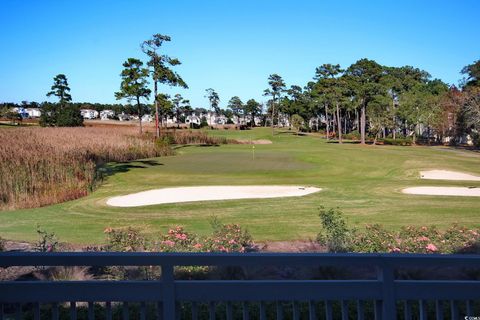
[228,238]
[63,113]
[297,122]
[236,106]
[224,238]
[160,63]
[2,244]
[179,240]
[335,234]
[47,242]
[398,141]
[214,100]
[69,116]
[472,71]
[338,237]
[203,122]
[124,240]
[60,89]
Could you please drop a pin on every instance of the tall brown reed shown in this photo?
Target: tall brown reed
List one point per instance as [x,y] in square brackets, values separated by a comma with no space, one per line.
[41,166]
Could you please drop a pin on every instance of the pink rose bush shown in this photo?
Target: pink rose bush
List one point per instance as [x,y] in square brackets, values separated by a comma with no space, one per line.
[224,238]
[410,239]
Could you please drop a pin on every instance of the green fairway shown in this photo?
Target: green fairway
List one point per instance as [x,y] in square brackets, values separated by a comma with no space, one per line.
[364,181]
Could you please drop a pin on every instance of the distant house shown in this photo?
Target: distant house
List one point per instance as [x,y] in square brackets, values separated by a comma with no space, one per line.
[33,112]
[107,114]
[89,113]
[21,111]
[171,120]
[123,117]
[193,119]
[147,118]
[214,119]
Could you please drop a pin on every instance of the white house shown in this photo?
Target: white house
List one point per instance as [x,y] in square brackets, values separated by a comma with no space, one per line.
[147,118]
[124,117]
[107,114]
[194,119]
[89,113]
[21,111]
[33,112]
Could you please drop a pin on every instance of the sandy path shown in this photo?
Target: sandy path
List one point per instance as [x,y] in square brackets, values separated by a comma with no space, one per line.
[444,191]
[447,175]
[207,193]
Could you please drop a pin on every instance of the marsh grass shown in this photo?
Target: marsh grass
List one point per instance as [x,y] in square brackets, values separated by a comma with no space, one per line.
[42,166]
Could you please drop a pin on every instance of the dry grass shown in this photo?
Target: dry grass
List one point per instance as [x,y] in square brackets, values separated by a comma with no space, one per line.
[41,166]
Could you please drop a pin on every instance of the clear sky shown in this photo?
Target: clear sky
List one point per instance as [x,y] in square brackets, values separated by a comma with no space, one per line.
[231,46]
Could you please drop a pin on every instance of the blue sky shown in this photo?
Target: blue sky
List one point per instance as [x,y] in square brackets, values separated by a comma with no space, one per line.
[231,46]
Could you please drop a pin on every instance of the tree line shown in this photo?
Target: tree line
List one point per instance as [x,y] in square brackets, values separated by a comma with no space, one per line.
[380,101]
[365,99]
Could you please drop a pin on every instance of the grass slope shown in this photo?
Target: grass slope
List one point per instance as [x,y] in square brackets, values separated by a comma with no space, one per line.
[364,181]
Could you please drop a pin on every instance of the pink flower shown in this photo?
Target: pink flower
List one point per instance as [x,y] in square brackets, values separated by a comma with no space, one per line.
[169,243]
[395,250]
[431,247]
[181,236]
[423,239]
[232,242]
[198,245]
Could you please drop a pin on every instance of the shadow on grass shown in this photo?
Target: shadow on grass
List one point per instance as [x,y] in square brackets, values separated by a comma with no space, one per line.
[120,167]
[181,146]
[345,142]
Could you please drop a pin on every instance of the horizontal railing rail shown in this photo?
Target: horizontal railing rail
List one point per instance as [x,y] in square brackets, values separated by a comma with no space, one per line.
[386,295]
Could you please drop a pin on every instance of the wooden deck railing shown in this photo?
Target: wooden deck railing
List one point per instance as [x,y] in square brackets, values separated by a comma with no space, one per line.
[385,296]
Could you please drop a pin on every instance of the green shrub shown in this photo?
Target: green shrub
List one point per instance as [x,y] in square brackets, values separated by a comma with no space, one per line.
[335,234]
[398,142]
[124,240]
[2,244]
[47,242]
[228,238]
[338,237]
[374,239]
[354,135]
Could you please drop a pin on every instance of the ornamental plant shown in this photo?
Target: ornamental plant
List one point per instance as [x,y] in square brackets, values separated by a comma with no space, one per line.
[228,238]
[124,240]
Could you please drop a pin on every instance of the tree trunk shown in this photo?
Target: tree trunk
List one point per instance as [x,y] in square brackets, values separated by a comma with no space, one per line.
[362,124]
[394,121]
[357,121]
[326,121]
[273,114]
[339,125]
[139,114]
[157,128]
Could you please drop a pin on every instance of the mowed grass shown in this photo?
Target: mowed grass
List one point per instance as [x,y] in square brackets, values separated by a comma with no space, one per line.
[364,181]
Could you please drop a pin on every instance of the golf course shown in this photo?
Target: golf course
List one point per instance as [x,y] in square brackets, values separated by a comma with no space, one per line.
[364,181]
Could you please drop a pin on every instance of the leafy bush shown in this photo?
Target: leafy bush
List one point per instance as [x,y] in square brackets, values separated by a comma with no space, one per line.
[398,141]
[2,244]
[122,240]
[228,238]
[48,242]
[354,135]
[336,235]
[178,240]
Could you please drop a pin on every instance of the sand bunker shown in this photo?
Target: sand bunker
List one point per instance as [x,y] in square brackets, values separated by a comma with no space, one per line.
[207,193]
[444,191]
[448,175]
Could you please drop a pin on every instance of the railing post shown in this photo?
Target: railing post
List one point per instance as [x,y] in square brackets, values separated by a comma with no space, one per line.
[386,275]
[168,292]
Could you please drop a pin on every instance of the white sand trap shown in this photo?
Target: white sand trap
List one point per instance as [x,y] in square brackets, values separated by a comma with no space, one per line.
[207,193]
[447,175]
[444,191]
